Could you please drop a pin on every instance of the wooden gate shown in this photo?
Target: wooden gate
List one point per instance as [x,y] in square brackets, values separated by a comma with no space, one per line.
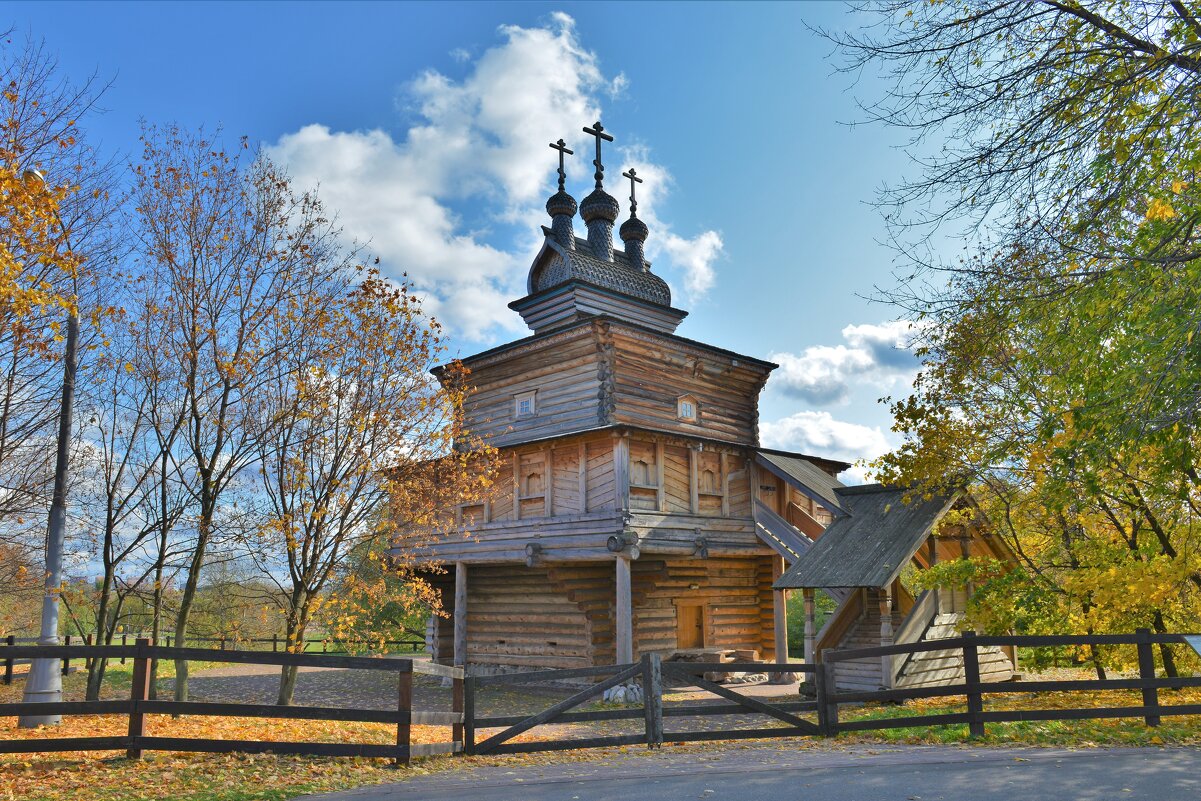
[650,672]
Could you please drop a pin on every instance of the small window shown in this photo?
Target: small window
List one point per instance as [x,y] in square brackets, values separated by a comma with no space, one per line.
[686,408]
[524,404]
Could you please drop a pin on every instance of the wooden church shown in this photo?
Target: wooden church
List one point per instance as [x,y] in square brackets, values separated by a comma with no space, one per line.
[635,510]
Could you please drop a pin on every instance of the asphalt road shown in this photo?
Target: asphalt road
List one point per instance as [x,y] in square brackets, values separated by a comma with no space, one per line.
[751,773]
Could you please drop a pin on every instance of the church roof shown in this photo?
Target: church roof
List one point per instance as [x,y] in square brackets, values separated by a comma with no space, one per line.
[557,265]
[869,546]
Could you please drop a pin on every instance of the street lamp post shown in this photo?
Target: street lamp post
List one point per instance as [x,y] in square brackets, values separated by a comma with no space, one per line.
[45,683]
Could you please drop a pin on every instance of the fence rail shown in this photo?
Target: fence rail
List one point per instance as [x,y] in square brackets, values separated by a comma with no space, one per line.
[220,643]
[139,705]
[650,672]
[975,690]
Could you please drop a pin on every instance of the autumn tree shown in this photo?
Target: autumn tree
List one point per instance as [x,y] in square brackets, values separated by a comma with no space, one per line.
[359,424]
[49,229]
[1059,140]
[235,246]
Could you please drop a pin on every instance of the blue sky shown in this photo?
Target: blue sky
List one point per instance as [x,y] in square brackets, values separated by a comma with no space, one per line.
[426,125]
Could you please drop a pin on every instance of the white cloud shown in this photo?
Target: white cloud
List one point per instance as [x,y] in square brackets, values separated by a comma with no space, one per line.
[455,200]
[820,434]
[880,356]
[693,257]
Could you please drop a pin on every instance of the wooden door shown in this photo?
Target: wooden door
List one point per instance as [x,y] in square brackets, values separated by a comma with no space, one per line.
[690,626]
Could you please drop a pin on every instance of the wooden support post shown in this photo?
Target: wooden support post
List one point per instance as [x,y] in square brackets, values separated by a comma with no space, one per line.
[10,641]
[965,550]
[123,644]
[516,486]
[810,626]
[468,715]
[1146,672]
[460,657]
[725,486]
[971,673]
[67,659]
[548,482]
[932,560]
[404,705]
[623,605]
[886,673]
[779,614]
[583,477]
[652,698]
[139,691]
[456,705]
[661,494]
[621,472]
[827,702]
[694,496]
[274,643]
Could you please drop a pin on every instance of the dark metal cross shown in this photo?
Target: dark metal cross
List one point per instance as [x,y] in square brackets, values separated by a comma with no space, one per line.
[598,131]
[634,179]
[561,146]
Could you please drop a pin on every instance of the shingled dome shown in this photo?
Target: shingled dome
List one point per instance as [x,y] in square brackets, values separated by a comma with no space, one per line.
[618,275]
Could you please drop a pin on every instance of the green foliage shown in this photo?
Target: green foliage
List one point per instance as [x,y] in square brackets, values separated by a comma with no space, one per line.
[1061,376]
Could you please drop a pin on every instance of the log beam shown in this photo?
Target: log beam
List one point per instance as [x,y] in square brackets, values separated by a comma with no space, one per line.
[810,626]
[624,612]
[460,614]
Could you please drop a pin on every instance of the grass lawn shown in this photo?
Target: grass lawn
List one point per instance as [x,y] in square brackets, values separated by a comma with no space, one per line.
[221,777]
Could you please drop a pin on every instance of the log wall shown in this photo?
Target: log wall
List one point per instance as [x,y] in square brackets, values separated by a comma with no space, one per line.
[732,591]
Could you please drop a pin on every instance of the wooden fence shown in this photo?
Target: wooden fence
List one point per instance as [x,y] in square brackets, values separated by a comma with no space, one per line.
[138,705]
[650,671]
[975,691]
[220,643]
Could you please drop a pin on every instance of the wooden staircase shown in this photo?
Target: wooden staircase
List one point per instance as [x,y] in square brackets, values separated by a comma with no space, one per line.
[936,668]
[857,625]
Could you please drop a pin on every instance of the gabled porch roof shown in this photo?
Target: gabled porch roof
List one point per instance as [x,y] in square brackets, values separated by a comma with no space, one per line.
[867,547]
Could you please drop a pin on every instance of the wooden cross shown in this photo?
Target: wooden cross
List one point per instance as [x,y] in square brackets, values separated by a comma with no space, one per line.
[561,146]
[634,180]
[598,131]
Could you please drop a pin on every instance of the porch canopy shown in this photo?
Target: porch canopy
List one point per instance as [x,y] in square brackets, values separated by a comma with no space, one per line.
[871,543]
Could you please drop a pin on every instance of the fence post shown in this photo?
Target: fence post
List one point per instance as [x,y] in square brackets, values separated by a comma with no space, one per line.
[139,691]
[222,642]
[652,698]
[456,705]
[274,643]
[1146,672]
[971,675]
[10,641]
[468,714]
[827,697]
[123,643]
[404,705]
[67,659]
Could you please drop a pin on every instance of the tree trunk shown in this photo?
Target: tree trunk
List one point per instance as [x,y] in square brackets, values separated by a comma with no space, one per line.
[1165,650]
[97,666]
[295,628]
[187,598]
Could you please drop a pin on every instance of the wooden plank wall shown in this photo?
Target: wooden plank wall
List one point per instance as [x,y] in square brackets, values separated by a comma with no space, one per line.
[652,371]
[767,608]
[518,617]
[561,369]
[731,589]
